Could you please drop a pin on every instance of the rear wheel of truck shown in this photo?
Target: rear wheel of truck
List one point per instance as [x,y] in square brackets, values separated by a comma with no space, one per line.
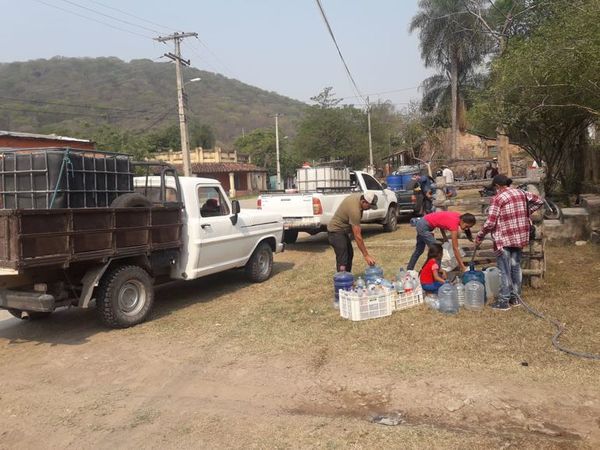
[125,297]
[391,220]
[28,315]
[260,264]
[290,236]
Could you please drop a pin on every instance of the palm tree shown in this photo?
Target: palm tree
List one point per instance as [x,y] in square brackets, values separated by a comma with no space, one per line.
[437,95]
[451,41]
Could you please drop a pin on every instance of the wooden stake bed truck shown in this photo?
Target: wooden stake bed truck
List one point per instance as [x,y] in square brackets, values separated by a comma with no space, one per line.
[170,228]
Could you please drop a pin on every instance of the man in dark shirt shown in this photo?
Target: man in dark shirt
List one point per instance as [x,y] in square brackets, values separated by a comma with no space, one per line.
[346,221]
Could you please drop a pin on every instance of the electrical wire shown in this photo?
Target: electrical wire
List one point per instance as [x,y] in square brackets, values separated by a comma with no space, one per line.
[77,5]
[93,20]
[324,16]
[74,105]
[165,28]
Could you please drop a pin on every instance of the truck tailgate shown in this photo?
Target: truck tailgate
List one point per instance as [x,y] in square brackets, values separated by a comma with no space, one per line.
[292,205]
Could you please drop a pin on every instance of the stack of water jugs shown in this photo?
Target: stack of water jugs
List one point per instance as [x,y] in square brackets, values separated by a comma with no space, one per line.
[374,282]
[471,292]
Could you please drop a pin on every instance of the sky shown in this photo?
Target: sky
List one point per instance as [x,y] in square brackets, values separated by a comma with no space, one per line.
[277,45]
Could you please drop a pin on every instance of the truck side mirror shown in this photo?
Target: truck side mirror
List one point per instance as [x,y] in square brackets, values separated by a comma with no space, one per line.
[235,210]
[384,185]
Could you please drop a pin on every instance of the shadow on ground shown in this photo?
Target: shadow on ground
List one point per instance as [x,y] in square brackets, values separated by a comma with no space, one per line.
[74,326]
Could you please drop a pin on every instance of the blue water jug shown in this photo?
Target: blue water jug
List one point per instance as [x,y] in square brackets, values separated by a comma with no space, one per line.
[448,298]
[341,280]
[474,275]
[372,273]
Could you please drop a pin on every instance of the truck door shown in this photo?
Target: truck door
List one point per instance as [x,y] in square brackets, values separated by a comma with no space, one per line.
[222,244]
[372,185]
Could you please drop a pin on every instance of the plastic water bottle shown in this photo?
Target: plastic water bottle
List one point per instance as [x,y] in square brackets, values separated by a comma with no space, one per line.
[341,280]
[373,272]
[401,274]
[360,283]
[492,283]
[408,284]
[460,292]
[474,296]
[448,299]
[399,285]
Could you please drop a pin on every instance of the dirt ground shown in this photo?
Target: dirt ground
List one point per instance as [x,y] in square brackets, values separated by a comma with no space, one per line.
[226,364]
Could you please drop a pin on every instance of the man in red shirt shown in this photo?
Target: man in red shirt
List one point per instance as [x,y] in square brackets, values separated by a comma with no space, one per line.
[508,223]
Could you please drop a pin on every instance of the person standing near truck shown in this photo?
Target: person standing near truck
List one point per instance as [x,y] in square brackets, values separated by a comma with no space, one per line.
[346,222]
[451,221]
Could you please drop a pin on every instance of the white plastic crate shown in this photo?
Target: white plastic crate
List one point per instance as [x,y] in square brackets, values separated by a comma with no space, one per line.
[409,299]
[355,306]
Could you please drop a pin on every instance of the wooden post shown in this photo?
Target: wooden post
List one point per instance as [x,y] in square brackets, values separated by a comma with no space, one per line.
[502,145]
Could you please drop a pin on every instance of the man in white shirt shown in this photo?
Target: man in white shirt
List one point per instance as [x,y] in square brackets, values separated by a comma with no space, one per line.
[448,174]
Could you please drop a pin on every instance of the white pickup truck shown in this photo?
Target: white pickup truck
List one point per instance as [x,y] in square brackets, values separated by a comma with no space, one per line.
[169,228]
[312,211]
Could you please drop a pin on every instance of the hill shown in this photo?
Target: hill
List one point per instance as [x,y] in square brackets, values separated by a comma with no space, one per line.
[80,95]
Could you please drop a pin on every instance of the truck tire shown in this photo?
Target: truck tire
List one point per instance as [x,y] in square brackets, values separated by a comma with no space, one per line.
[125,296]
[290,236]
[391,220]
[260,264]
[131,200]
[29,315]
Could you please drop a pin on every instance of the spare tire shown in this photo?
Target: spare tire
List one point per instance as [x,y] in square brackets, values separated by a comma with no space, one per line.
[131,200]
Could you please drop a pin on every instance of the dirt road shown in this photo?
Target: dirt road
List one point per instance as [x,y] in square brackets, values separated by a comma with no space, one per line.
[225,364]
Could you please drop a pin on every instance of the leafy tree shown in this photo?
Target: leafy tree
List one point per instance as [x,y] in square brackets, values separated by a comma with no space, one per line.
[260,145]
[545,89]
[451,41]
[330,132]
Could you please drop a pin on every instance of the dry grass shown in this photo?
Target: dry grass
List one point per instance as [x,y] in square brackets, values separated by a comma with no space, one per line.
[292,313]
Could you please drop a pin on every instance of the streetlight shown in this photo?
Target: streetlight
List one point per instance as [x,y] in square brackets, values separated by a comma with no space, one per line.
[193,80]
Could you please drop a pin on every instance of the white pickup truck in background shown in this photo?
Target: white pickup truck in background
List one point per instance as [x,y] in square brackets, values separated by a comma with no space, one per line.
[312,208]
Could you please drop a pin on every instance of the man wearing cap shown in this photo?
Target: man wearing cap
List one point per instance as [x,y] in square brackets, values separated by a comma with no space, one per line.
[508,223]
[346,221]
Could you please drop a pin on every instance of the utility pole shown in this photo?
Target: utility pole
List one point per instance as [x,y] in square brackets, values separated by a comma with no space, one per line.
[277,151]
[181,97]
[371,167]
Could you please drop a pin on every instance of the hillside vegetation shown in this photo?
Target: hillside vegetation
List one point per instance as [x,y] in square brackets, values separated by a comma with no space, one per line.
[80,96]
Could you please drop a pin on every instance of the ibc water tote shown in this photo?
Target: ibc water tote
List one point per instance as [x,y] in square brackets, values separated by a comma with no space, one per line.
[448,298]
[474,296]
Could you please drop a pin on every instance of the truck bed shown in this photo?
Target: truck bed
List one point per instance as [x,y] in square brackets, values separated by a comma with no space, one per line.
[59,237]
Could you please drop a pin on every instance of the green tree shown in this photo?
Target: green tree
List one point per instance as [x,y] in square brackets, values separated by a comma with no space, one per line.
[260,145]
[330,132]
[452,41]
[545,88]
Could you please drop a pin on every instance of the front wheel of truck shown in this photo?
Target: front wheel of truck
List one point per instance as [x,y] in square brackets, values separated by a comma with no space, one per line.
[125,297]
[260,264]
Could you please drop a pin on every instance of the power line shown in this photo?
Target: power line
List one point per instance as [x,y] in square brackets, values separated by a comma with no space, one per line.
[385,92]
[77,5]
[74,105]
[6,108]
[339,51]
[217,58]
[132,15]
[93,20]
